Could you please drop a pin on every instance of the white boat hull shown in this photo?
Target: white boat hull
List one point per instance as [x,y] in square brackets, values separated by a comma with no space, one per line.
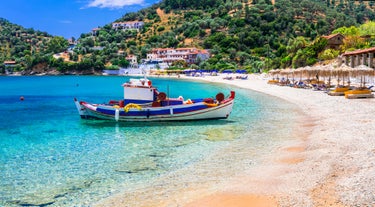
[221,111]
[143,102]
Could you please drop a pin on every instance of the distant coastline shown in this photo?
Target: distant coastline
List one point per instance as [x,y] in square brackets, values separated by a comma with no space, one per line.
[52,73]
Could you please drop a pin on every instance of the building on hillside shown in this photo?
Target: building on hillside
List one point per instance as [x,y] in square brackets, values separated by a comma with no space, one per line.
[128,25]
[9,65]
[72,41]
[132,60]
[9,62]
[170,55]
[334,41]
[95,31]
[121,53]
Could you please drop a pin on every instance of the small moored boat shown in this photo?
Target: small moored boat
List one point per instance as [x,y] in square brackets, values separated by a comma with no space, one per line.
[143,102]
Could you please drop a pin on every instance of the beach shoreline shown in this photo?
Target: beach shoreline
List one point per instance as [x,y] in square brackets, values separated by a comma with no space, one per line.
[332,164]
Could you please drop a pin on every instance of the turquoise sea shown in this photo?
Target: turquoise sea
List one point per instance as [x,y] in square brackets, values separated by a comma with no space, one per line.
[50,157]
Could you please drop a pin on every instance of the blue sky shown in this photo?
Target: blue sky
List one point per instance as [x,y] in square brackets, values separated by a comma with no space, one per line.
[68,18]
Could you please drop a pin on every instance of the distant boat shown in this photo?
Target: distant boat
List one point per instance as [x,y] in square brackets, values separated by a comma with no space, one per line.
[143,102]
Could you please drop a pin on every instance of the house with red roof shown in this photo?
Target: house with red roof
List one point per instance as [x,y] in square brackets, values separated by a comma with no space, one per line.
[170,55]
[334,41]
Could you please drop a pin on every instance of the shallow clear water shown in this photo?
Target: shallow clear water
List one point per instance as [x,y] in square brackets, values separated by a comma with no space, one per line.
[48,155]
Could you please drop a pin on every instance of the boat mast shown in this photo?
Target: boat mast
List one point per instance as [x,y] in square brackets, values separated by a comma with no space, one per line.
[142,67]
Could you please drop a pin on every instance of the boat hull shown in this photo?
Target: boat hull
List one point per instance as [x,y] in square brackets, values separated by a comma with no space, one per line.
[185,112]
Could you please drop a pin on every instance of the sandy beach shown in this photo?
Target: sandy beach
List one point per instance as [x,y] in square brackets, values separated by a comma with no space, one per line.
[332,163]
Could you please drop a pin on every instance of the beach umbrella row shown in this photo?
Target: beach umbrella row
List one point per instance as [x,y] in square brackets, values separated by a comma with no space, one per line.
[330,71]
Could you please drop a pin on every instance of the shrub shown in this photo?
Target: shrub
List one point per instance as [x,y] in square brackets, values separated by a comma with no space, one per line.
[328,54]
[161,29]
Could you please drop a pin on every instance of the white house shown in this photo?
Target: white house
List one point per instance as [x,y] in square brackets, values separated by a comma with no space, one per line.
[170,55]
[128,25]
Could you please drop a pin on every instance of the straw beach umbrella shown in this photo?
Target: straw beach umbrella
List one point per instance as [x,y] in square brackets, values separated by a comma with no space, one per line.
[272,73]
[305,72]
[363,72]
[342,72]
[310,72]
[286,72]
[319,72]
[326,72]
[298,72]
[278,72]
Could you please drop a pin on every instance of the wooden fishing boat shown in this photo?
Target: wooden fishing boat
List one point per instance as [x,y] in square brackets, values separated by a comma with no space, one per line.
[143,102]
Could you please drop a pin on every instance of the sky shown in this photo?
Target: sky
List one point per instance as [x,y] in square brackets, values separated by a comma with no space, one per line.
[68,18]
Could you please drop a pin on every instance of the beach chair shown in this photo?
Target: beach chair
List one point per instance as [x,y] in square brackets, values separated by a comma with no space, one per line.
[371,88]
[361,92]
[338,91]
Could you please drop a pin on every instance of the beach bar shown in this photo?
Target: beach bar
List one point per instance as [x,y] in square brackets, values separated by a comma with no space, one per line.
[360,57]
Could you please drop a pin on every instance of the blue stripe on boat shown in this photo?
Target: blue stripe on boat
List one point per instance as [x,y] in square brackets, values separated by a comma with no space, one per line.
[135,101]
[152,112]
[188,109]
[106,111]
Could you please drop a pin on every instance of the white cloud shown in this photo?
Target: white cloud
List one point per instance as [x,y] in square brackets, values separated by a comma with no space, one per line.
[114,4]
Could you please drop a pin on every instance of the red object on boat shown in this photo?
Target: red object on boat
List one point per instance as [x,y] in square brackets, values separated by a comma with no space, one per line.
[113,102]
[220,97]
[121,103]
[232,95]
[162,96]
[208,100]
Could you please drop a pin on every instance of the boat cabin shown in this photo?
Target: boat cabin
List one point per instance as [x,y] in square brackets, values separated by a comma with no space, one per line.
[139,91]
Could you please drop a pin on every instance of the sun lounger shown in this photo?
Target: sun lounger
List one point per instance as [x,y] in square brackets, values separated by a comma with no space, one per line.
[359,93]
[333,93]
[354,96]
[338,91]
[273,81]
[371,88]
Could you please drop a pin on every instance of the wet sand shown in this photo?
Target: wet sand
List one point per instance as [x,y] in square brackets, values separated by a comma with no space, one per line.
[332,163]
[234,200]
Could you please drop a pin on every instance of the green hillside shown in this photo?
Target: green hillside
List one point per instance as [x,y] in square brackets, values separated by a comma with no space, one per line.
[28,47]
[254,35]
